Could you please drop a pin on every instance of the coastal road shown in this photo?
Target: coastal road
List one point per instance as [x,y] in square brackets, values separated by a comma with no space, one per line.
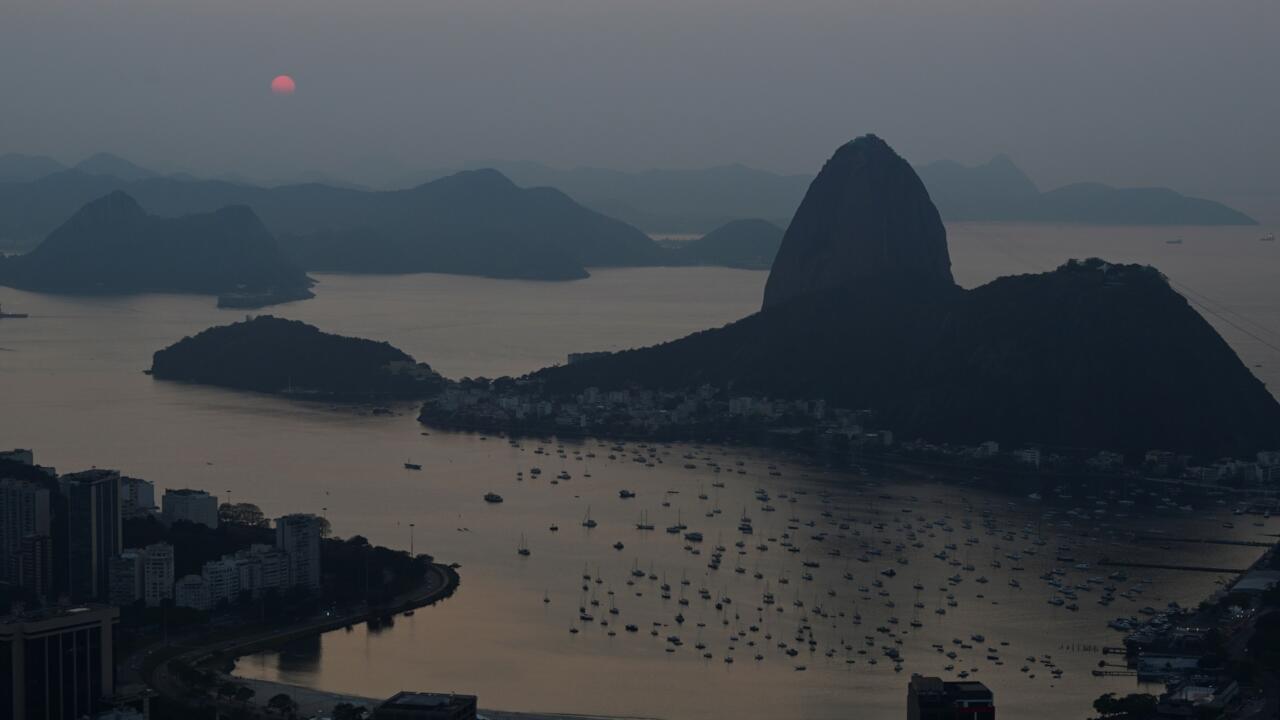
[155,663]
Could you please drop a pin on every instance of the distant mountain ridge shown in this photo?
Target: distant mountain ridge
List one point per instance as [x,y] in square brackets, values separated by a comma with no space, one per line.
[750,244]
[672,201]
[20,168]
[113,166]
[668,201]
[998,190]
[860,310]
[475,222]
[111,245]
[329,224]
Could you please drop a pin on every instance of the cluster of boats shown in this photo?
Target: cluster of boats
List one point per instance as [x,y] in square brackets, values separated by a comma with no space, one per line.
[857,573]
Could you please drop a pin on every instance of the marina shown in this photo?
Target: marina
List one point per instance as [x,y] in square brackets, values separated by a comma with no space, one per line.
[853,578]
[507,631]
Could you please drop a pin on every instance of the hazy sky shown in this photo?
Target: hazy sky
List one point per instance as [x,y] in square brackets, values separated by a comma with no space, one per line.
[1175,92]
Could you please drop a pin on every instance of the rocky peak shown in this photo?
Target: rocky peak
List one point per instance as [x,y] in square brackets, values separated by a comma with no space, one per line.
[866,218]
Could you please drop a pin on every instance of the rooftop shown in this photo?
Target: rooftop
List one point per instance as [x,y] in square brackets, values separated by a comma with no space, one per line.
[57,612]
[91,476]
[426,700]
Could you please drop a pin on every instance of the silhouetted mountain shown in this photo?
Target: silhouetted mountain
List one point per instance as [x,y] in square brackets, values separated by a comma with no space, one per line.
[687,201]
[113,166]
[995,190]
[749,244]
[1100,204]
[112,246]
[16,167]
[1090,355]
[999,190]
[474,222]
[677,201]
[479,223]
[269,354]
[866,216]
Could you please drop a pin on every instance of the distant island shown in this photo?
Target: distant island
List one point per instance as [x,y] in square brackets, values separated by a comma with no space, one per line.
[111,246]
[287,357]
[998,190]
[863,327]
[472,223]
[749,244]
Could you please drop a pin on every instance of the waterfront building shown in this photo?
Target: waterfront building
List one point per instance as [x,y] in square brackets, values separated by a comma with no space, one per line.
[24,511]
[94,531]
[157,576]
[1257,582]
[1189,700]
[931,698]
[1028,456]
[57,664]
[192,592]
[298,536]
[137,497]
[195,506]
[426,706]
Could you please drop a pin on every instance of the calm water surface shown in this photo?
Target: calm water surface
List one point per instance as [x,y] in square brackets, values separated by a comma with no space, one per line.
[71,387]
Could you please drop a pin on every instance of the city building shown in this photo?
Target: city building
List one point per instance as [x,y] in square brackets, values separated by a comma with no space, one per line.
[157,576]
[191,592]
[298,536]
[19,455]
[931,698]
[24,512]
[262,567]
[94,531]
[1028,456]
[142,574]
[58,664]
[222,578]
[137,497]
[126,571]
[195,506]
[35,566]
[426,706]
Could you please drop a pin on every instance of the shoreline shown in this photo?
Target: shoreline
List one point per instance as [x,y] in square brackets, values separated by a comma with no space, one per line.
[217,651]
[312,700]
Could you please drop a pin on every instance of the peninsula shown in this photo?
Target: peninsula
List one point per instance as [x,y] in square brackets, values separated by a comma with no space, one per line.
[861,312]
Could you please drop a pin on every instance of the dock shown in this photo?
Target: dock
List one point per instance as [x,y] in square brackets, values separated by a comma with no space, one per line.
[1203,541]
[1186,568]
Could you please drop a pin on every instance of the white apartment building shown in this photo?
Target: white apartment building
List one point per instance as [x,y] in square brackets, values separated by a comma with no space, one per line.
[298,536]
[157,576]
[191,592]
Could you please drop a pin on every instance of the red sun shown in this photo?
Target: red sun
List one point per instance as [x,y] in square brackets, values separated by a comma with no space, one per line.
[283,85]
